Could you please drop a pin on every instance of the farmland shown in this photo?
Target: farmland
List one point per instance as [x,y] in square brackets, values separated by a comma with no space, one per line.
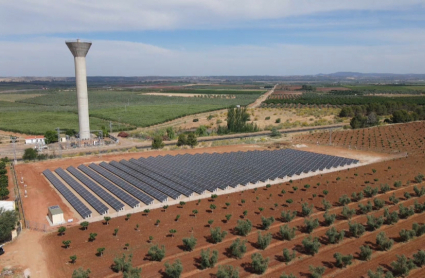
[26,113]
[392,181]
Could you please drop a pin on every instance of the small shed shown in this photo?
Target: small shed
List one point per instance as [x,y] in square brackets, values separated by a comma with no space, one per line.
[56,215]
[35,140]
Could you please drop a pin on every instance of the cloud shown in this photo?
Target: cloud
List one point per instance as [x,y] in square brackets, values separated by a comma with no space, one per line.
[50,16]
[50,57]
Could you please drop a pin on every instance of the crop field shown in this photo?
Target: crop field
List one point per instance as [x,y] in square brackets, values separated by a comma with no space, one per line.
[392,199]
[408,138]
[31,114]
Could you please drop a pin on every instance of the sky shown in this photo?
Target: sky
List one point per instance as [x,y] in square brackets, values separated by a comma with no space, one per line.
[214,37]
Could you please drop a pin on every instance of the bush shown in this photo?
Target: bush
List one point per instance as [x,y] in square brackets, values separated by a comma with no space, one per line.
[366,208]
[287,233]
[329,218]
[379,273]
[357,197]
[157,143]
[343,261]
[347,212]
[61,230]
[238,248]
[419,207]
[374,223]
[419,178]
[287,276]
[419,258]
[393,199]
[419,192]
[182,140]
[259,264]
[275,133]
[385,188]
[288,256]
[155,253]
[405,212]
[418,228]
[325,192]
[306,210]
[288,216]
[378,203]
[407,195]
[326,204]
[370,192]
[208,261]
[397,184]
[174,270]
[383,242]
[311,245]
[227,271]
[334,236]
[81,273]
[311,224]
[195,120]
[344,200]
[243,227]
[217,235]
[316,271]
[267,222]
[277,121]
[390,218]
[289,201]
[189,243]
[406,235]
[365,253]
[402,266]
[356,229]
[263,241]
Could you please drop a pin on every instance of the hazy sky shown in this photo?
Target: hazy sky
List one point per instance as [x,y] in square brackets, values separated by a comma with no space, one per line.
[213,37]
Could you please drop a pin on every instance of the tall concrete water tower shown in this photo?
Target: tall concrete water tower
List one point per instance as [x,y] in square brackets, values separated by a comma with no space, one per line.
[79,50]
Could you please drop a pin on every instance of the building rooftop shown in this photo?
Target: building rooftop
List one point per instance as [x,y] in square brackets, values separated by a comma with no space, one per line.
[55,210]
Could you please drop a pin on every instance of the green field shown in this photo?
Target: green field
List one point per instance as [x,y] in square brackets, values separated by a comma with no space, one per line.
[35,115]
[391,89]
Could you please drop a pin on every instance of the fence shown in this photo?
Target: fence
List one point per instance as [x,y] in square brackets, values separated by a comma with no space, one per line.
[18,199]
[37,226]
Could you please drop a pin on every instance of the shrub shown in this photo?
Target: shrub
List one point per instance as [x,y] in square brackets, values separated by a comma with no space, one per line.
[228,216]
[263,241]
[73,258]
[157,143]
[121,264]
[287,233]
[419,258]
[81,273]
[289,201]
[366,208]
[267,222]
[311,245]
[379,273]
[195,120]
[407,195]
[306,210]
[343,261]
[306,186]
[227,271]
[217,235]
[238,248]
[418,228]
[406,235]
[107,219]
[374,223]
[156,253]
[356,229]
[177,217]
[243,227]
[365,252]
[287,276]
[419,192]
[402,266]
[334,236]
[84,225]
[92,236]
[174,270]
[419,178]
[383,242]
[311,224]
[393,199]
[277,120]
[189,243]
[259,264]
[370,192]
[326,204]
[295,188]
[288,215]
[316,271]
[61,230]
[329,218]
[66,243]
[405,212]
[378,203]
[208,261]
[267,118]
[355,197]
[419,207]
[397,184]
[212,207]
[390,218]
[288,256]
[344,200]
[347,212]
[385,188]
[325,192]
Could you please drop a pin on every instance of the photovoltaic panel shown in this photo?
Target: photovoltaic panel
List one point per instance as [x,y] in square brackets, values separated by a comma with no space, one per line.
[68,195]
[90,198]
[102,193]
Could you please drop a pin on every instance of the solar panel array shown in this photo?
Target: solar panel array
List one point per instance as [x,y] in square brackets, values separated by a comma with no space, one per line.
[68,195]
[163,177]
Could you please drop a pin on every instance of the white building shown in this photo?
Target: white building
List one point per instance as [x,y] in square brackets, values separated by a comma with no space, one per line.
[55,215]
[35,140]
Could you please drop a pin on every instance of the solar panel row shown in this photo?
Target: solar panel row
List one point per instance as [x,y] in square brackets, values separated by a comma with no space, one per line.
[68,195]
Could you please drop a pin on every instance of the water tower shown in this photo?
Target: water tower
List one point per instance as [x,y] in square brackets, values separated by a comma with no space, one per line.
[79,50]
